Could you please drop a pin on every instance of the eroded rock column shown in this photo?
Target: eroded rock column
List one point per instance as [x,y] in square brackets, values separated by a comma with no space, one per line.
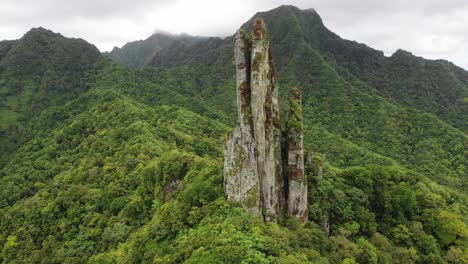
[297,183]
[266,122]
[241,182]
[241,179]
[253,173]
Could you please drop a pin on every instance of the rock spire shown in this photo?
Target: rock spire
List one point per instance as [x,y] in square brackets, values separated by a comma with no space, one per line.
[297,185]
[253,173]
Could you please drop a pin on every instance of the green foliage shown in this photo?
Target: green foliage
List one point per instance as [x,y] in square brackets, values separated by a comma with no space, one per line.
[295,112]
[41,70]
[450,229]
[137,54]
[103,174]
[103,165]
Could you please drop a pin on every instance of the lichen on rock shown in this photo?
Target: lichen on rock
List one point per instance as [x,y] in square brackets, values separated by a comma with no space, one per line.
[253,173]
[241,182]
[297,183]
[264,104]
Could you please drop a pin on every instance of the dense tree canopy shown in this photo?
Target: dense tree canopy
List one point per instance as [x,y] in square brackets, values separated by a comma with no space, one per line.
[103,165]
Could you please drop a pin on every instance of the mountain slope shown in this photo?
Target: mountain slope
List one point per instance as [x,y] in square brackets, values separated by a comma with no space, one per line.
[40,50]
[126,167]
[434,86]
[41,70]
[342,104]
[137,54]
[107,178]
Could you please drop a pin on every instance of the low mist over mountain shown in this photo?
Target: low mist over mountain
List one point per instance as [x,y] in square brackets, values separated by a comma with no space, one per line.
[137,54]
[118,157]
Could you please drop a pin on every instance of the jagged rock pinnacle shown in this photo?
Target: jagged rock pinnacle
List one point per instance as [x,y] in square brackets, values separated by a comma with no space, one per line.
[253,173]
[297,184]
[241,180]
[267,131]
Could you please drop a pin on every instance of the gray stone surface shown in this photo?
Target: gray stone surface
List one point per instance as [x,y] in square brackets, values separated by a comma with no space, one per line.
[253,172]
[241,182]
[267,131]
[297,183]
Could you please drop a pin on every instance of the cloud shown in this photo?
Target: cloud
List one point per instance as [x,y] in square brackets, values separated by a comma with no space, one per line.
[431,29]
[428,28]
[58,10]
[105,23]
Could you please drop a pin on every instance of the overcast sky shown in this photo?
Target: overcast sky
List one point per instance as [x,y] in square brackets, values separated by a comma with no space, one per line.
[429,28]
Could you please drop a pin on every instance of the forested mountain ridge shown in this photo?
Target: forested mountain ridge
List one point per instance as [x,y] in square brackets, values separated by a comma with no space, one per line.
[41,70]
[434,86]
[334,98]
[126,167]
[139,53]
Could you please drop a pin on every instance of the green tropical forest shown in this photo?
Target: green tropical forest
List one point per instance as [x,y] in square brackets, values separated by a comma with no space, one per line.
[117,157]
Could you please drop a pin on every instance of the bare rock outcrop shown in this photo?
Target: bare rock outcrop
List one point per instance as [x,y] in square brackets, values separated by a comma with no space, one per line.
[297,183]
[265,114]
[241,178]
[241,181]
[253,173]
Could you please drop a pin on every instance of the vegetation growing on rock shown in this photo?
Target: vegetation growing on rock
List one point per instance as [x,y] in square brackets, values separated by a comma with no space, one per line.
[127,167]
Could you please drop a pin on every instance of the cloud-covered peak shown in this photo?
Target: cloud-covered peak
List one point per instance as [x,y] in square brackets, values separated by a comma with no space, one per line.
[428,28]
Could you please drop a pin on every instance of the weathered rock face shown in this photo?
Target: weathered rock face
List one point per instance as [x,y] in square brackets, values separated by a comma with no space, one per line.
[253,172]
[241,182]
[297,184]
[266,123]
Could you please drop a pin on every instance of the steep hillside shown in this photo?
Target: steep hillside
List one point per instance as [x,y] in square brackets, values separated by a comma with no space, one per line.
[107,178]
[5,46]
[105,165]
[437,87]
[433,86]
[137,54]
[41,50]
[41,70]
[352,109]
